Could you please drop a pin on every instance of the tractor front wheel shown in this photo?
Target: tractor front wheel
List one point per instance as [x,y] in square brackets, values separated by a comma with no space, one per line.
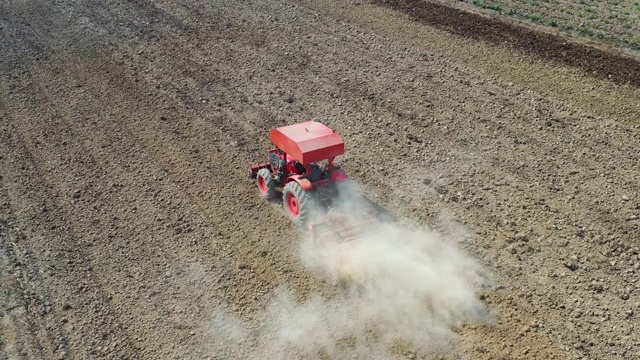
[266,184]
[298,203]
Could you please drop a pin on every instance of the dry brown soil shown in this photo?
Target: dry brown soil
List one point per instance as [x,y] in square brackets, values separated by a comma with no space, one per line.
[127,220]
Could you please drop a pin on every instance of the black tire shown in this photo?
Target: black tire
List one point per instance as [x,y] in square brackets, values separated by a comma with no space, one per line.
[295,197]
[266,184]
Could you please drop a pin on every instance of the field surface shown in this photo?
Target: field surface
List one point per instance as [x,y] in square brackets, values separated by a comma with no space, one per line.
[614,22]
[130,230]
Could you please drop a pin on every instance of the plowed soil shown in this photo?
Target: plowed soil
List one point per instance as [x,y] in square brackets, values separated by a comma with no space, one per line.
[127,221]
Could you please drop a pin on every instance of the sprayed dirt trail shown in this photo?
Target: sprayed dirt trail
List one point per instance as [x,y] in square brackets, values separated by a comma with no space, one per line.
[129,229]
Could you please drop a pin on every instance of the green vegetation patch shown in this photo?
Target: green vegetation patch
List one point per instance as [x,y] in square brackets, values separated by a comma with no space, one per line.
[487,5]
[615,22]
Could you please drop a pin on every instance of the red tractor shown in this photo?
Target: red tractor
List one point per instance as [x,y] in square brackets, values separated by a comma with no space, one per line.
[301,163]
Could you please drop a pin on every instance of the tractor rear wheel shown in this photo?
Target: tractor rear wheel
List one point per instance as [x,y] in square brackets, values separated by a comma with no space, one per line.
[266,184]
[298,203]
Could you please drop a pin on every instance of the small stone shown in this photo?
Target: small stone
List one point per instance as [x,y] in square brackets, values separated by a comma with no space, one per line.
[76,194]
[625,198]
[571,266]
[441,190]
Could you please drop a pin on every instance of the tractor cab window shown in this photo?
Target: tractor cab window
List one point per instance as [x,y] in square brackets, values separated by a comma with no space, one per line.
[314,167]
[299,168]
[316,172]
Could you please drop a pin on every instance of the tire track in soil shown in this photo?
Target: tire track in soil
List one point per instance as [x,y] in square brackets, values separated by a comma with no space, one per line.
[82,300]
[38,305]
[70,261]
[21,330]
[48,311]
[97,170]
[54,126]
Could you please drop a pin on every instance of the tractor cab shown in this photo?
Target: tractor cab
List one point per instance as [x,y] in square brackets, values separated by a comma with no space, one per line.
[284,165]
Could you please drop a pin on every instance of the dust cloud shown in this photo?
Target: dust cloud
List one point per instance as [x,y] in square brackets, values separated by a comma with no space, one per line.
[397,290]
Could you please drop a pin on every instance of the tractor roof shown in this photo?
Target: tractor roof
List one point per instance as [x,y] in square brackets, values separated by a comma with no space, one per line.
[308,141]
